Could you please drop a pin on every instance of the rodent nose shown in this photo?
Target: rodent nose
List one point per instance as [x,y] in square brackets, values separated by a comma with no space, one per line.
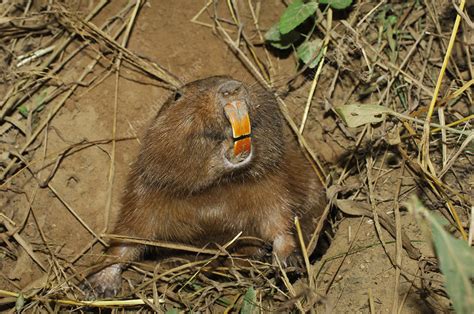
[231,90]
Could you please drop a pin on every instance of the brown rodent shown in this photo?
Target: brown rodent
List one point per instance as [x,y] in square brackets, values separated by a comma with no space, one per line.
[216,160]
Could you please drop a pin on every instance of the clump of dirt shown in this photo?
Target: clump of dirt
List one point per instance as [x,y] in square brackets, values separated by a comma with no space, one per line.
[79,81]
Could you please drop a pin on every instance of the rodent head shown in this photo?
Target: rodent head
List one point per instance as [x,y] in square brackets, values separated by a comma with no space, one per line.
[211,131]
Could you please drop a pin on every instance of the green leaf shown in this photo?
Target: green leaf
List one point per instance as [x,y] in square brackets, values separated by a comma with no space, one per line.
[310,51]
[392,20]
[360,114]
[172,311]
[273,34]
[38,101]
[250,299]
[337,4]
[280,41]
[456,260]
[23,111]
[296,13]
[392,42]
[20,303]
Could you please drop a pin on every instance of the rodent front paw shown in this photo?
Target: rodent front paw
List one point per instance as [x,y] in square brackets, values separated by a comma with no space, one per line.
[106,283]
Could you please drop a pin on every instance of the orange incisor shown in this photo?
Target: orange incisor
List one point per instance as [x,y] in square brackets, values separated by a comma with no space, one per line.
[242,146]
[238,116]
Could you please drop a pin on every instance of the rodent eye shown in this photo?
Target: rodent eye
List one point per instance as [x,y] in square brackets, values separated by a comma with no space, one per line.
[177,95]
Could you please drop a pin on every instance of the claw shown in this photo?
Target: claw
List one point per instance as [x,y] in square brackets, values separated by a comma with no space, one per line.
[104,284]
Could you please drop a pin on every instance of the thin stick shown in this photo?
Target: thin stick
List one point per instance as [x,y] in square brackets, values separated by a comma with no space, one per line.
[370,13]
[398,239]
[446,127]
[344,257]
[76,215]
[465,119]
[288,284]
[23,243]
[250,46]
[437,187]
[442,122]
[402,65]
[319,227]
[425,144]
[66,204]
[64,153]
[318,72]
[33,56]
[450,163]
[224,248]
[107,303]
[165,273]
[271,68]
[111,176]
[304,252]
[471,228]
[163,244]
[152,69]
[371,301]
[386,64]
[405,297]
[426,58]
[200,12]
[371,188]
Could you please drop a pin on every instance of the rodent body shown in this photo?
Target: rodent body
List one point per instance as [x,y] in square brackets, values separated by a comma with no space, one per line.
[217,160]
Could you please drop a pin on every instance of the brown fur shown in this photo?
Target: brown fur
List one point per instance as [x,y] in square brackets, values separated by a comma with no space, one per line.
[180,190]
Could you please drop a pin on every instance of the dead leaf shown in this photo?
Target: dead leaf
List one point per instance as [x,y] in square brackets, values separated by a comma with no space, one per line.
[359,114]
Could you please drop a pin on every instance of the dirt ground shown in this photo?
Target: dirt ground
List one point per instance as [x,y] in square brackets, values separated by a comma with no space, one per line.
[355,275]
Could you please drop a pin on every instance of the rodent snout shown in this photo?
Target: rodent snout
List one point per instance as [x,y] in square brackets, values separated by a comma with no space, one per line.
[231,91]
